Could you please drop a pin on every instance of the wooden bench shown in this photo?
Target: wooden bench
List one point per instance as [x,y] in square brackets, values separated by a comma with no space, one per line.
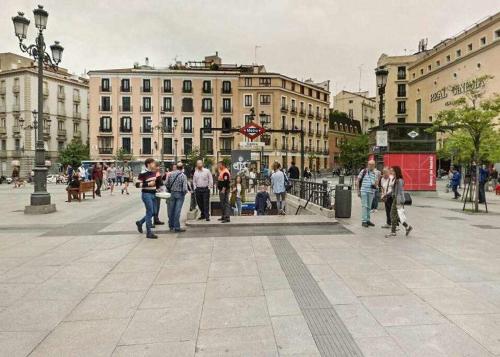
[85,187]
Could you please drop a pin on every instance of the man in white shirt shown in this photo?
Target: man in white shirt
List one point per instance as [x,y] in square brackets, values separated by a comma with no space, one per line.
[387,185]
[202,182]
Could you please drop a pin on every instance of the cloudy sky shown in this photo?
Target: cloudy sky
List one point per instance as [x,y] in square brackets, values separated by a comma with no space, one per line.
[319,39]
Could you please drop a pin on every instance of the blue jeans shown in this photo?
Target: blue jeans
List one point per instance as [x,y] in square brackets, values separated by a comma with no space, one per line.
[238,207]
[375,200]
[149,200]
[366,205]
[174,210]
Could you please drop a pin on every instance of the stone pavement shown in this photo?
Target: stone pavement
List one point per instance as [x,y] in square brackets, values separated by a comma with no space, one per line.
[82,282]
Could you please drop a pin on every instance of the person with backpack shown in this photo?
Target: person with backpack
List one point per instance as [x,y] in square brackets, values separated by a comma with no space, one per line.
[398,204]
[367,184]
[177,185]
[279,183]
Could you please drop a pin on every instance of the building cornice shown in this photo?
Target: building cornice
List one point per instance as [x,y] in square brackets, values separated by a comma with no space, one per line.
[47,74]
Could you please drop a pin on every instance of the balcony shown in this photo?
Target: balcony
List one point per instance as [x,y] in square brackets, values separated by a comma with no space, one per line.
[105,130]
[187,90]
[2,108]
[187,130]
[325,134]
[146,129]
[3,130]
[125,129]
[302,113]
[3,90]
[146,109]
[77,115]
[16,88]
[76,97]
[284,108]
[16,129]
[326,152]
[224,151]
[284,127]
[105,151]
[61,112]
[146,90]
[227,90]
[206,110]
[293,110]
[318,134]
[104,89]
[207,91]
[105,108]
[310,132]
[45,91]
[125,89]
[310,114]
[227,109]
[318,116]
[167,89]
[169,109]
[61,96]
[401,94]
[46,133]
[326,118]
[125,108]
[16,108]
[294,148]
[61,133]
[77,134]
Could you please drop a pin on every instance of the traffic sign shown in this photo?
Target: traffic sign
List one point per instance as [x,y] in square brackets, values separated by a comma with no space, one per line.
[381,138]
[252,130]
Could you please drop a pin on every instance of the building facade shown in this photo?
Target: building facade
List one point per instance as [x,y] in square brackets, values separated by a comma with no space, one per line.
[64,115]
[342,128]
[359,106]
[144,110]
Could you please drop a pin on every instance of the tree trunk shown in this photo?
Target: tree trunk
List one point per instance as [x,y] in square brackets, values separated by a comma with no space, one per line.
[476,196]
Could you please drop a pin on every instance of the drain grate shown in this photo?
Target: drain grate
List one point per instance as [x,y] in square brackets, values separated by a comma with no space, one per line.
[329,332]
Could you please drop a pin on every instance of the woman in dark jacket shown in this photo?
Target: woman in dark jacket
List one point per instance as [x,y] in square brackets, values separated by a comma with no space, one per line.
[397,209]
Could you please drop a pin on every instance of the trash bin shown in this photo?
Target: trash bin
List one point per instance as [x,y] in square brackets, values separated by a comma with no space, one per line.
[341,179]
[343,201]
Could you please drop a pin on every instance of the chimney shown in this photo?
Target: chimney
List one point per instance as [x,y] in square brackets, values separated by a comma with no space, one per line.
[147,61]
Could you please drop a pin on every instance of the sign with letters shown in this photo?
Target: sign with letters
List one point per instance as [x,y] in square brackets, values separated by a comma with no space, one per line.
[382,138]
[240,161]
[457,89]
[252,130]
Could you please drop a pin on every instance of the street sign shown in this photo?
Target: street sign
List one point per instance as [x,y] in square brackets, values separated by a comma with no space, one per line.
[413,134]
[381,138]
[252,130]
[240,161]
[252,144]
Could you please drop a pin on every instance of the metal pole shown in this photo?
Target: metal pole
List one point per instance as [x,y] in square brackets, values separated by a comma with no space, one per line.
[40,196]
[162,148]
[302,153]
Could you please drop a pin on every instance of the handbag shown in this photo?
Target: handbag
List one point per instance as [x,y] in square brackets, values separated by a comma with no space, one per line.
[408,200]
[401,215]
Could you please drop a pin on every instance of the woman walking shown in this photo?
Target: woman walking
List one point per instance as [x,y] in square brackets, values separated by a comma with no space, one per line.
[387,185]
[279,188]
[237,195]
[397,208]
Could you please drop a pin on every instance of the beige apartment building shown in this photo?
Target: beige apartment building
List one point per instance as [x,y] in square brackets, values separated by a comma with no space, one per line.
[358,106]
[129,108]
[64,113]
[419,86]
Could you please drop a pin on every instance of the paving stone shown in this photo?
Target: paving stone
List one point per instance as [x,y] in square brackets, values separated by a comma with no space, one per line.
[282,302]
[379,346]
[62,289]
[84,270]
[138,265]
[273,281]
[185,272]
[422,278]
[11,293]
[490,290]
[401,310]
[225,268]
[234,312]
[29,274]
[374,284]
[234,287]
[82,338]
[167,349]
[293,336]
[484,328]
[461,273]
[162,325]
[181,296]
[237,341]
[20,343]
[103,306]
[125,282]
[359,321]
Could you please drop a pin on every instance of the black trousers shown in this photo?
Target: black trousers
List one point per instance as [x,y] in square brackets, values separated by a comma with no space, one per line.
[482,195]
[388,206]
[202,195]
[224,201]
[157,209]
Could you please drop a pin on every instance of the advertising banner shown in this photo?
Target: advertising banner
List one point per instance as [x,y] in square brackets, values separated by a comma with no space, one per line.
[240,160]
[419,170]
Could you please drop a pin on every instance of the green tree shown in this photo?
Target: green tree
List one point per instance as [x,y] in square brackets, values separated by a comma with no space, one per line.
[122,155]
[473,116]
[354,152]
[74,153]
[459,147]
[197,154]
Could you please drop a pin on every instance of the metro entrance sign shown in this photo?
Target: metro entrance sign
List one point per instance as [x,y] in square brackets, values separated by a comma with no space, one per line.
[252,130]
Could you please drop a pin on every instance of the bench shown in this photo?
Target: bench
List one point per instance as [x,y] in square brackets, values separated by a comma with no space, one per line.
[85,187]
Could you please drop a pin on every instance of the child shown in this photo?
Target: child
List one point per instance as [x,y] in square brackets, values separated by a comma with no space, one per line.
[262,201]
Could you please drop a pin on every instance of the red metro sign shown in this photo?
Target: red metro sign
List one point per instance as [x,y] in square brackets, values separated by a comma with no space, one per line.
[252,130]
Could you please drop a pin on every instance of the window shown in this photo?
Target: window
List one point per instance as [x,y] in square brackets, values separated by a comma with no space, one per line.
[146,85]
[459,53]
[105,104]
[76,127]
[167,104]
[127,145]
[293,87]
[248,119]
[167,123]
[429,68]
[351,113]
[105,124]
[226,87]
[301,89]
[248,82]
[147,125]
[283,122]
[419,110]
[265,82]
[401,90]
[310,91]
[351,101]
[413,75]
[125,85]
[187,86]
[105,145]
[226,123]
[294,106]
[438,63]
[4,145]
[497,34]
[167,86]
[483,41]
[167,146]
[421,71]
[146,146]
[265,99]
[448,58]
[469,47]
[188,146]
[17,144]
[207,122]
[401,107]
[206,105]
[226,105]
[207,146]
[226,144]
[187,105]
[126,124]
[60,125]
[283,83]
[146,104]
[207,87]
[401,72]
[187,125]
[248,100]
[105,87]
[125,104]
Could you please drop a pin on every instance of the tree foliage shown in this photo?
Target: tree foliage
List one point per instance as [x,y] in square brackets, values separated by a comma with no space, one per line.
[197,154]
[122,155]
[74,153]
[475,119]
[354,152]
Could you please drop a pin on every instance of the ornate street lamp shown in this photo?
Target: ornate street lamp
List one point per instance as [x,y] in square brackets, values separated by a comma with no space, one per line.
[40,198]
[381,75]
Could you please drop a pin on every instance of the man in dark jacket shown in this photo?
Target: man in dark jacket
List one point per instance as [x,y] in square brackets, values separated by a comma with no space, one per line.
[455,182]
[293,171]
[483,178]
[261,200]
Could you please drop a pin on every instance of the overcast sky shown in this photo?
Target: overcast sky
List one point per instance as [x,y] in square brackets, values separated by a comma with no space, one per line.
[318,39]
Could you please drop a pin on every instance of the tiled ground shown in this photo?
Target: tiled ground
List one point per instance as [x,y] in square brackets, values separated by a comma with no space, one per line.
[72,285]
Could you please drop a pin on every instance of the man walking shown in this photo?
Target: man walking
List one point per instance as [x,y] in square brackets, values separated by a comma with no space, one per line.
[223,181]
[177,186]
[293,171]
[202,182]
[127,177]
[111,171]
[367,184]
[97,176]
[455,182]
[483,178]
[147,180]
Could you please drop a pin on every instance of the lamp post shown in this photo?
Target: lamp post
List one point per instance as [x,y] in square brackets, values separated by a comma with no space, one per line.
[174,127]
[263,122]
[40,198]
[381,75]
